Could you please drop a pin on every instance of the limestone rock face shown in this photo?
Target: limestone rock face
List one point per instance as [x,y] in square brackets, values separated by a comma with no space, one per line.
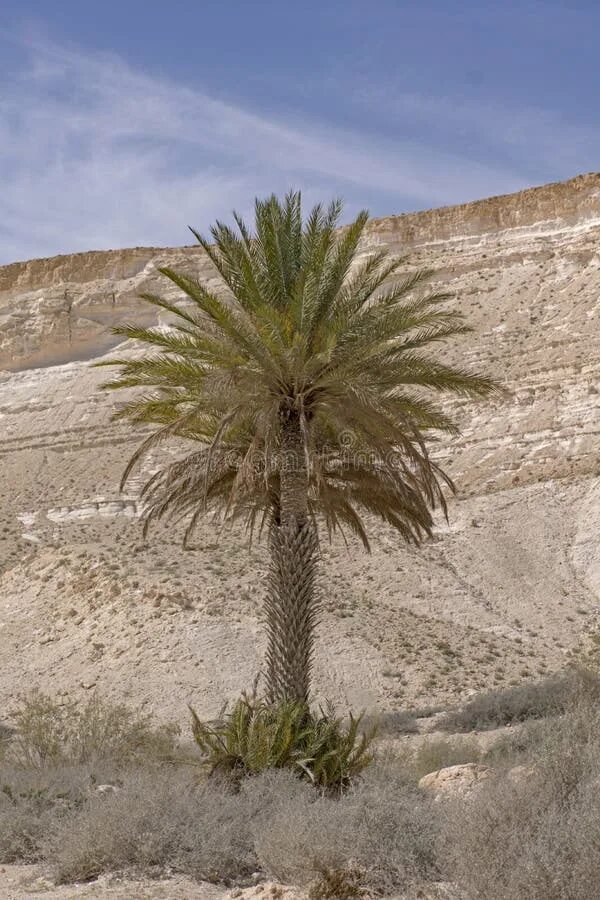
[57,310]
[507,587]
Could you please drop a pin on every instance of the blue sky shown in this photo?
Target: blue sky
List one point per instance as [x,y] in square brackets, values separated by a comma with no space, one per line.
[123,122]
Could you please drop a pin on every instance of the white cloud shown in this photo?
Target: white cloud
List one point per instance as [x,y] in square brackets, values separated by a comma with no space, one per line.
[94,154]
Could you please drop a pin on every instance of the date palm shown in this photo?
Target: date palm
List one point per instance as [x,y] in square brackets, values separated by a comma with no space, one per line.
[308,397]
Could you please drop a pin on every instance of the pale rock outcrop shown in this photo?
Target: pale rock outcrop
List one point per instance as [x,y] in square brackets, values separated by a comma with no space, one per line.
[454,780]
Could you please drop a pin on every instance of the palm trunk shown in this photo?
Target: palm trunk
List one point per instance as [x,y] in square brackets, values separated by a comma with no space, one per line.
[291,606]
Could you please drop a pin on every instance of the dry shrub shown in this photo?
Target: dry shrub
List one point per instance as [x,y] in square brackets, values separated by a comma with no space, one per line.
[23,826]
[339,884]
[523,843]
[393,722]
[156,820]
[49,732]
[437,752]
[383,825]
[296,833]
[31,804]
[392,827]
[5,737]
[537,838]
[530,700]
[56,756]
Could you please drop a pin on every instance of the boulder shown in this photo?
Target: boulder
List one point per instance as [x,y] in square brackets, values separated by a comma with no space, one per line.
[453,780]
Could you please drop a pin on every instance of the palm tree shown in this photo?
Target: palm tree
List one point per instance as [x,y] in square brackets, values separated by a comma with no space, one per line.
[307,394]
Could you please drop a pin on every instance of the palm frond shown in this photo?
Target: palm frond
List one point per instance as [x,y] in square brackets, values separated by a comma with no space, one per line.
[302,322]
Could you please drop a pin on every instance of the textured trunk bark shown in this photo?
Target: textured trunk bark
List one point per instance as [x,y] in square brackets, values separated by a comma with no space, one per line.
[291,607]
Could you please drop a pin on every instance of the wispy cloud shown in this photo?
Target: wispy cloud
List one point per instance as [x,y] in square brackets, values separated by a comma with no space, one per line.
[94,154]
[543,140]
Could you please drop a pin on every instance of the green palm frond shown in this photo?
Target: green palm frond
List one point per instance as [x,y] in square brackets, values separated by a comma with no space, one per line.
[254,736]
[304,321]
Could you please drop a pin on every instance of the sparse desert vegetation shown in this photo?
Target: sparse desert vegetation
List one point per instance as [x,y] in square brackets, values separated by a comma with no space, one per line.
[553,695]
[156,811]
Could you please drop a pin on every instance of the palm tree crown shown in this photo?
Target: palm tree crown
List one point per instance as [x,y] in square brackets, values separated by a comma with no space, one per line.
[306,387]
